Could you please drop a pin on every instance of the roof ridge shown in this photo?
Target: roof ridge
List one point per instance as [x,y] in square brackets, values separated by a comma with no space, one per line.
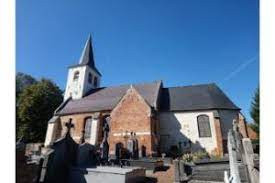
[193,85]
[134,84]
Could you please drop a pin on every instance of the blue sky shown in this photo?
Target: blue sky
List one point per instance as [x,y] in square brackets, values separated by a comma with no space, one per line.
[181,42]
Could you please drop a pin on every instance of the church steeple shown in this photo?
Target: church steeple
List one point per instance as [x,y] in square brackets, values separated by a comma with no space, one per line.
[84,76]
[87,56]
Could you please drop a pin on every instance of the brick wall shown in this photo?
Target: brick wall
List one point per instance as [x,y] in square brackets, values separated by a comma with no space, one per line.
[132,114]
[79,121]
[243,126]
[251,133]
[219,150]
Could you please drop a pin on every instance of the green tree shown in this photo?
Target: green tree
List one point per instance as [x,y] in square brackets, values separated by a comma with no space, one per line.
[36,106]
[22,81]
[255,112]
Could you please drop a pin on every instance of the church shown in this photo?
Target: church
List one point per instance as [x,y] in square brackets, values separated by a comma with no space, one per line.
[191,118]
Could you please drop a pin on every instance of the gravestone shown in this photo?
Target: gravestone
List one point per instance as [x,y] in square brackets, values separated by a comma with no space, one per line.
[104,154]
[86,156]
[59,158]
[143,151]
[130,145]
[118,151]
[135,147]
[104,146]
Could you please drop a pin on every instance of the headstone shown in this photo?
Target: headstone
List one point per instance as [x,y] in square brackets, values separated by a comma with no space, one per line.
[86,156]
[106,129]
[238,140]
[104,146]
[118,150]
[135,147]
[130,145]
[232,152]
[249,156]
[143,151]
[176,171]
[59,158]
[104,154]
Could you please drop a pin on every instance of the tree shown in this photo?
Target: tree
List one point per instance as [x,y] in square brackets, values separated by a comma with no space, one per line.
[36,106]
[255,112]
[23,81]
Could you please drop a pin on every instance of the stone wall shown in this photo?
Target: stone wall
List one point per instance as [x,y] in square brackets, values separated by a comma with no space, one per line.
[181,127]
[242,126]
[132,114]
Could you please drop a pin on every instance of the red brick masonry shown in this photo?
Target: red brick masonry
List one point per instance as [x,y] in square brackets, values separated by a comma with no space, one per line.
[132,114]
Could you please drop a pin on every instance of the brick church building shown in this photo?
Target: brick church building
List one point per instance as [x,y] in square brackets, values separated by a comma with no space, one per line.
[189,117]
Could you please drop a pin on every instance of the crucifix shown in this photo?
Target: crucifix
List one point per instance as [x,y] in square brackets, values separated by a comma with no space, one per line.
[69,125]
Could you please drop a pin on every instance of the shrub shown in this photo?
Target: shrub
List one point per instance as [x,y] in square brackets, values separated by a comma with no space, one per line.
[195,156]
[200,155]
[187,157]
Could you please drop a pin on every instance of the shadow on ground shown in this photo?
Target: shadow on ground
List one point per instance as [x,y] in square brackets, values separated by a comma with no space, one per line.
[162,169]
[148,180]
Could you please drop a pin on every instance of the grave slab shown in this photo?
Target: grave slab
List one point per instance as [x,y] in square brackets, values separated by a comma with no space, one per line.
[147,163]
[104,174]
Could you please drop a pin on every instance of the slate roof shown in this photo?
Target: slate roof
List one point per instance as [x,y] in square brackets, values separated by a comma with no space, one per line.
[106,98]
[87,56]
[196,97]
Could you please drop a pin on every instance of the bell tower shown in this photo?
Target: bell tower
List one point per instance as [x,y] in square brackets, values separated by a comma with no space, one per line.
[84,76]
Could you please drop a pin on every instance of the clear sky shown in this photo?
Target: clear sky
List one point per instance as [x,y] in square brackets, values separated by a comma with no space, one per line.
[181,42]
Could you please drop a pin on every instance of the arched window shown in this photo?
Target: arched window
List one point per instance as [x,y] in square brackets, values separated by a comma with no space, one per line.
[88,126]
[90,78]
[76,75]
[204,126]
[95,81]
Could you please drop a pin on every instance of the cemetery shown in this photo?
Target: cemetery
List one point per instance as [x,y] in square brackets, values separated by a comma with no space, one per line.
[69,162]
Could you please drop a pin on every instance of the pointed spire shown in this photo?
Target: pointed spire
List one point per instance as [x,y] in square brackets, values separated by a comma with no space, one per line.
[87,56]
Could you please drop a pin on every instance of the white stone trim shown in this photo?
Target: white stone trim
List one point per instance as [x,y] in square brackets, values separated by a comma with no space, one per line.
[50,134]
[94,131]
[129,134]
